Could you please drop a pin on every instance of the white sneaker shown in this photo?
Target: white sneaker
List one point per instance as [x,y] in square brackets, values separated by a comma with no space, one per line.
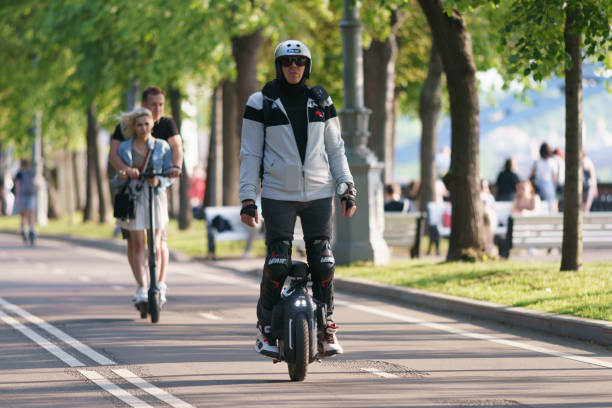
[140,296]
[162,292]
[328,342]
[263,345]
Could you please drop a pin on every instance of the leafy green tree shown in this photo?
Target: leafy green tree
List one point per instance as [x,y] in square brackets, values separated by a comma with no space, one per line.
[550,37]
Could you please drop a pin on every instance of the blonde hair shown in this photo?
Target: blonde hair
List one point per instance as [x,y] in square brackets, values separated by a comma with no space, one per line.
[128,120]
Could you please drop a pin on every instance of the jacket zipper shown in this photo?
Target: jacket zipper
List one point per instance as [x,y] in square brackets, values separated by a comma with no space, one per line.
[307,136]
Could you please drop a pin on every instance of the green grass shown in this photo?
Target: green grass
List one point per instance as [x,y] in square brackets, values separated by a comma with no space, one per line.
[532,285]
[192,241]
[539,286]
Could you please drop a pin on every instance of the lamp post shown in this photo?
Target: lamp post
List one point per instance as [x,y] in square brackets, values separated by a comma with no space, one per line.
[359,238]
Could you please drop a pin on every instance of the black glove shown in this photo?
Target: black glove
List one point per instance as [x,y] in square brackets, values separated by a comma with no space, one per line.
[249,209]
[350,200]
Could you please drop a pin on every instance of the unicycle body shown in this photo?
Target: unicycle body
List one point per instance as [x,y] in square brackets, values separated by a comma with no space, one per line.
[294,323]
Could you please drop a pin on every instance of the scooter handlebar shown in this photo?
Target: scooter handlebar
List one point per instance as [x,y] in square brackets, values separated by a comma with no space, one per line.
[150,174]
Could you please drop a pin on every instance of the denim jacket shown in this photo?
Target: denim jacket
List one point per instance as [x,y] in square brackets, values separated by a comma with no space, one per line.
[160,159]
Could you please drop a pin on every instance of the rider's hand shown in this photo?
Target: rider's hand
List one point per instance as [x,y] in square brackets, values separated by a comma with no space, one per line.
[348,205]
[132,172]
[174,171]
[245,217]
[122,175]
[153,182]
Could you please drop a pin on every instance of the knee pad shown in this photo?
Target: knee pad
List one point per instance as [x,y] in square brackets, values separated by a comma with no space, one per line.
[276,269]
[321,261]
[278,262]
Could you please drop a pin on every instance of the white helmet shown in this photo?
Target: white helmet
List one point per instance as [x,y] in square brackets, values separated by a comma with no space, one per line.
[292,48]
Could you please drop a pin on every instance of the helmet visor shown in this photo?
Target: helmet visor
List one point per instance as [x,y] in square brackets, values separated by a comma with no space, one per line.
[287,61]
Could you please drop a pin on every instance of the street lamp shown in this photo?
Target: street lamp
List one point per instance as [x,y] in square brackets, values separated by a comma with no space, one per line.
[359,238]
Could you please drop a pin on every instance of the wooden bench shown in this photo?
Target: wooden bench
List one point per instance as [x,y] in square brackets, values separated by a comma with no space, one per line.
[403,230]
[546,231]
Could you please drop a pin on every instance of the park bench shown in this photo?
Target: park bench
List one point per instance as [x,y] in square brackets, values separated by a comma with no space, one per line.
[546,231]
[223,224]
[403,230]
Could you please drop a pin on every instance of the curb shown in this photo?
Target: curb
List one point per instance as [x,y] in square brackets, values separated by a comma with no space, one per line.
[597,331]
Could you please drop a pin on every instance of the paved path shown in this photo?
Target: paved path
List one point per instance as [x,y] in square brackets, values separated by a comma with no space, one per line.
[70,338]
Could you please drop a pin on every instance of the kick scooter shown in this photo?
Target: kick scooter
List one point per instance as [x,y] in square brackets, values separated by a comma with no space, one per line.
[153,306]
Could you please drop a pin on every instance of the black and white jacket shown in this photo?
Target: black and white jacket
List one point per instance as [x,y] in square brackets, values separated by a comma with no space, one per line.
[284,176]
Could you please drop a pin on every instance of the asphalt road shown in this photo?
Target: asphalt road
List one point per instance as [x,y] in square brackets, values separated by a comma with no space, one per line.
[70,337]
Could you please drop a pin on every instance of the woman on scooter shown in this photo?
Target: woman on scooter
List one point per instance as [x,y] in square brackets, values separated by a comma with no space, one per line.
[145,153]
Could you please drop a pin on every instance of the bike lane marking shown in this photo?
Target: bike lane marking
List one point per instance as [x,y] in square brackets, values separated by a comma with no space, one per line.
[41,341]
[66,338]
[113,389]
[479,336]
[151,389]
[378,372]
[210,316]
[93,376]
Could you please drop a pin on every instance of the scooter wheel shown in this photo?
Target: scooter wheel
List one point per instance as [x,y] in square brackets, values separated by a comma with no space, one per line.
[298,369]
[154,306]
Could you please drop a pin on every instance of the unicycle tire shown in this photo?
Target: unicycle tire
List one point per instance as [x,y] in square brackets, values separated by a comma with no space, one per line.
[298,369]
[154,306]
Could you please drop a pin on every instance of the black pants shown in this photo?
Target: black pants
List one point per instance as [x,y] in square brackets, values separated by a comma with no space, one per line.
[280,217]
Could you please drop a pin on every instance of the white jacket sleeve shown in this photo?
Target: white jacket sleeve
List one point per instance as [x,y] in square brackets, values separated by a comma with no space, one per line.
[334,145]
[251,147]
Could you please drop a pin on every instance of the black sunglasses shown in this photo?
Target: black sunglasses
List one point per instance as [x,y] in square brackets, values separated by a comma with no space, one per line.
[299,61]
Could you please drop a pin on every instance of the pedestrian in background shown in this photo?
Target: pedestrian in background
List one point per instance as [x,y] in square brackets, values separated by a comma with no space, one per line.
[589,183]
[394,200]
[526,200]
[164,128]
[544,176]
[507,180]
[144,152]
[25,188]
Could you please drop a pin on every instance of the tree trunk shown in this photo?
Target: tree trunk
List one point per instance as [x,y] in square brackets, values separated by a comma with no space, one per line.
[468,236]
[3,204]
[429,111]
[245,50]
[103,189]
[54,210]
[214,168]
[184,214]
[231,144]
[571,250]
[91,196]
[79,182]
[379,94]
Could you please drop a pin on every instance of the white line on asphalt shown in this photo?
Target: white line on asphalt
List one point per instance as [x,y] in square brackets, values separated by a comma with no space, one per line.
[479,336]
[117,287]
[151,389]
[115,390]
[378,372]
[41,341]
[66,338]
[210,316]
[84,278]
